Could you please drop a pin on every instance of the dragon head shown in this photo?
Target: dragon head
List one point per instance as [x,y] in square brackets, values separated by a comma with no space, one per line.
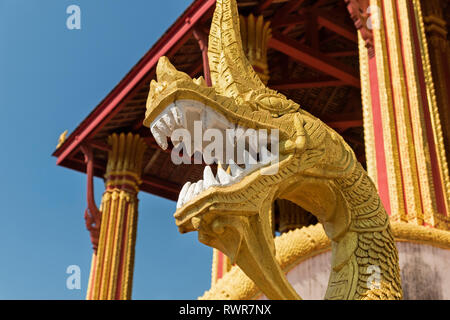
[232,210]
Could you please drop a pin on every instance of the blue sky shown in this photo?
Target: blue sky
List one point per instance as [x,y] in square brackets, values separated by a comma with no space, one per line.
[50,79]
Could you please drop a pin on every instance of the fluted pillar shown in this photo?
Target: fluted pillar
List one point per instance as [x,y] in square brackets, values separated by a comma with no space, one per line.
[220,265]
[436,28]
[405,149]
[111,275]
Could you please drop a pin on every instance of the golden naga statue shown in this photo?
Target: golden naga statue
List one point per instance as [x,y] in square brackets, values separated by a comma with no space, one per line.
[317,171]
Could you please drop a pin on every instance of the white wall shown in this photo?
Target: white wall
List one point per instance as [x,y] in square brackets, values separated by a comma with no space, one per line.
[425,272]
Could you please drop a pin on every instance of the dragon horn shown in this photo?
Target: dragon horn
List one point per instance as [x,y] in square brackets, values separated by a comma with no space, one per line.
[231,72]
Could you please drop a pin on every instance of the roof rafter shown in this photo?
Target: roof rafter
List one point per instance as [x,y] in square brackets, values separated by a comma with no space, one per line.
[325,20]
[314,59]
[264,5]
[289,7]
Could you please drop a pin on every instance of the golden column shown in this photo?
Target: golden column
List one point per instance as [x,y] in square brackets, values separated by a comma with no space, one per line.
[404,138]
[255,33]
[111,275]
[436,28]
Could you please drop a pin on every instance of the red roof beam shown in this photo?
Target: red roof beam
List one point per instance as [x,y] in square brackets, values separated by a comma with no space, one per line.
[291,6]
[324,19]
[147,180]
[342,53]
[290,21]
[344,121]
[344,125]
[263,6]
[314,59]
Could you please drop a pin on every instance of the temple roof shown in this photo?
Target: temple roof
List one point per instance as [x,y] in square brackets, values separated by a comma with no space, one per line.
[313,60]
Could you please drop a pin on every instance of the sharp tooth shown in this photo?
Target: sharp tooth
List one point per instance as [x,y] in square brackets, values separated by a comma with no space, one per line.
[198,188]
[208,178]
[163,128]
[160,138]
[189,194]
[169,120]
[219,165]
[235,169]
[178,116]
[224,178]
[250,162]
[183,194]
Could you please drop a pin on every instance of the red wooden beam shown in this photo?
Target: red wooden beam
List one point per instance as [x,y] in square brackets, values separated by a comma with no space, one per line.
[202,40]
[344,121]
[263,6]
[314,59]
[312,30]
[325,20]
[306,84]
[291,6]
[112,103]
[156,190]
[150,180]
[150,183]
[196,70]
[92,215]
[354,115]
[344,125]
[342,53]
[291,20]
[99,145]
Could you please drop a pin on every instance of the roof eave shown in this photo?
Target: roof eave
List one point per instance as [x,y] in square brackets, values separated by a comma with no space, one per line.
[111,104]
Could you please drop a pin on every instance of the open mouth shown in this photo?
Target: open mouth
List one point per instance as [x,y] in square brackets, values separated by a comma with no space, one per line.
[196,129]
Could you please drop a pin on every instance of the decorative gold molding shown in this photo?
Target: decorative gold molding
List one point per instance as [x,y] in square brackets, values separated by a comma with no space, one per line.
[299,245]
[408,232]
[214,266]
[369,134]
[391,149]
[225,266]
[411,175]
[401,108]
[434,110]
[416,107]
